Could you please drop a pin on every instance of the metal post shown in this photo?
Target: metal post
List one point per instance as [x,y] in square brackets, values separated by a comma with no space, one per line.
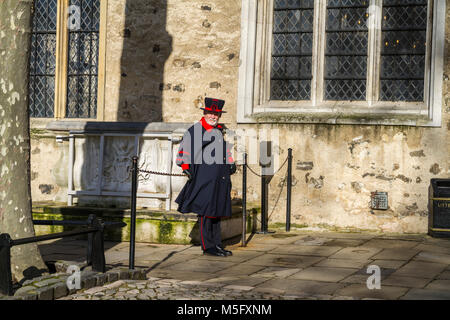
[98,249]
[5,265]
[264,204]
[90,223]
[244,200]
[134,172]
[288,191]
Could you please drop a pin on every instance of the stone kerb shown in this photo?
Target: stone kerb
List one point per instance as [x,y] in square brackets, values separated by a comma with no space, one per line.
[54,286]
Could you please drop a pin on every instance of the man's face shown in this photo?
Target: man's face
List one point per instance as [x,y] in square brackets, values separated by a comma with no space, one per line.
[212,118]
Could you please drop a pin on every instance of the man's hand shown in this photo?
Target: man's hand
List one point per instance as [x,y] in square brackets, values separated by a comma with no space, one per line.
[232,168]
[188,173]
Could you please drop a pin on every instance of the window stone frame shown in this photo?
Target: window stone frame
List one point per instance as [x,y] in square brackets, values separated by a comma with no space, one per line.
[254,106]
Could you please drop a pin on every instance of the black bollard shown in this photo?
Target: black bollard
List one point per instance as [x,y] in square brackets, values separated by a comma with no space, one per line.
[244,200]
[134,173]
[5,265]
[288,191]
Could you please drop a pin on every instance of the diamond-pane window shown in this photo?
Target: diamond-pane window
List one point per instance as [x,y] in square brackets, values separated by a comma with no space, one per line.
[403,49]
[346,50]
[83,62]
[42,59]
[292,43]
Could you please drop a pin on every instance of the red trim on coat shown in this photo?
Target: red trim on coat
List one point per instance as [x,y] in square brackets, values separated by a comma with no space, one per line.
[185,166]
[201,232]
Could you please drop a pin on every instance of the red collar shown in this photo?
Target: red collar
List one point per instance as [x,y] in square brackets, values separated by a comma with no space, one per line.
[207,126]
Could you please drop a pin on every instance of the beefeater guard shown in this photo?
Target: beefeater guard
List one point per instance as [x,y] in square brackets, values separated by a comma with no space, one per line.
[206,159]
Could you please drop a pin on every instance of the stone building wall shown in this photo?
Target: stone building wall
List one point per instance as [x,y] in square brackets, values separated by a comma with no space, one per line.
[164,57]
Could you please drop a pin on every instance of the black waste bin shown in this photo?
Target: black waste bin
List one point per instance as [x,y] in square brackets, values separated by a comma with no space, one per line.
[439,208]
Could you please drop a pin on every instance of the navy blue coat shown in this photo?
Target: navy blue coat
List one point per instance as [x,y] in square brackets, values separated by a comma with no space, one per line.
[208,192]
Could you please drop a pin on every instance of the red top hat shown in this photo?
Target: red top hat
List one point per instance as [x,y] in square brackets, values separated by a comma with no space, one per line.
[214,105]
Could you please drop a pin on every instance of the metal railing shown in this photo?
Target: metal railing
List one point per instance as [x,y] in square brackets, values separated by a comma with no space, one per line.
[95,249]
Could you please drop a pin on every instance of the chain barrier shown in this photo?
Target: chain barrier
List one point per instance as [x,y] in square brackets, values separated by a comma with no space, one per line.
[251,170]
[281,189]
[162,173]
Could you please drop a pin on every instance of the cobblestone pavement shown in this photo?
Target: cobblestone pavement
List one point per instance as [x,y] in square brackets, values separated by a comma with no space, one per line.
[295,265]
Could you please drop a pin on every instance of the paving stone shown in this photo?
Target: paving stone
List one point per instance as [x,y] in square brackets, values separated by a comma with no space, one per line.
[94,290]
[206,266]
[45,283]
[294,286]
[240,288]
[283,260]
[59,290]
[45,293]
[112,276]
[115,284]
[396,254]
[390,244]
[409,282]
[345,242]
[426,294]
[444,275]
[312,241]
[361,291]
[275,272]
[433,257]
[420,269]
[24,290]
[240,269]
[387,264]
[341,263]
[356,253]
[433,248]
[323,274]
[439,285]
[321,251]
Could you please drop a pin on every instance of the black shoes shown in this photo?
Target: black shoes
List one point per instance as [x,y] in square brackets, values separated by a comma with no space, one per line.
[226,252]
[217,251]
[214,252]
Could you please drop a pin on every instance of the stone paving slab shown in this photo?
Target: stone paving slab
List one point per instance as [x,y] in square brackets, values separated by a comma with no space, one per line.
[342,263]
[275,272]
[294,286]
[206,266]
[433,257]
[390,244]
[387,264]
[408,282]
[279,266]
[426,294]
[420,269]
[320,251]
[345,242]
[323,274]
[283,260]
[439,285]
[356,253]
[361,291]
[240,269]
[433,248]
[396,254]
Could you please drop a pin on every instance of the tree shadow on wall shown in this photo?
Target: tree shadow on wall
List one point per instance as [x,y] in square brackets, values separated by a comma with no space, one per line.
[146,47]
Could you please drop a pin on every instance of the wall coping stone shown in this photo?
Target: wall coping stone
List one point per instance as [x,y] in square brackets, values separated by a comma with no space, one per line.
[53,286]
[121,127]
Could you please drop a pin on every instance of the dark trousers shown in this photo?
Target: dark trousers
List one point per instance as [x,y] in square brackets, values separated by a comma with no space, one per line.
[210,232]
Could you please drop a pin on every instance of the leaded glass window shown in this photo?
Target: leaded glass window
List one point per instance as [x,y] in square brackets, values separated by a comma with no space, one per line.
[292,49]
[403,49]
[346,50]
[83,61]
[42,59]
